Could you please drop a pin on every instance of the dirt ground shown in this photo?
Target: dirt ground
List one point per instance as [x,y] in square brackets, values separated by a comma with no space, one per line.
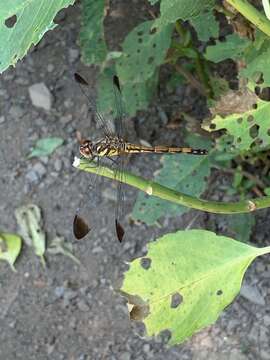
[67,311]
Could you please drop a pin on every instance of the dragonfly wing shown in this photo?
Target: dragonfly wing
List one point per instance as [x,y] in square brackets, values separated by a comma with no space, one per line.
[119,106]
[120,209]
[100,120]
[82,222]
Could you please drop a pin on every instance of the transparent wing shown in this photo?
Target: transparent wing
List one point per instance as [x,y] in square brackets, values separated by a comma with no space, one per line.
[119,106]
[100,120]
[121,162]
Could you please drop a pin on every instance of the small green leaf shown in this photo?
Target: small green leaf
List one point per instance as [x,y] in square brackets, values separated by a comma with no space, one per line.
[232,48]
[31,228]
[92,41]
[182,172]
[31,20]
[267,191]
[46,146]
[206,26]
[185,280]
[10,248]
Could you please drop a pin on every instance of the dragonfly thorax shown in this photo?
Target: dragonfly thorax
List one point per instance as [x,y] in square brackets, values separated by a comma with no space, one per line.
[108,146]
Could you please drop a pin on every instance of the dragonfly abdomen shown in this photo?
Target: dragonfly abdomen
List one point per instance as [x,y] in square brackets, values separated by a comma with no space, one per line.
[132,148]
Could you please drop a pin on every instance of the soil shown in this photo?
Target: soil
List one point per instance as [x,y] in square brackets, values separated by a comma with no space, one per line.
[70,311]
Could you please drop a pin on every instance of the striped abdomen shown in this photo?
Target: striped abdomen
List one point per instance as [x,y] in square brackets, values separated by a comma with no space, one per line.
[132,148]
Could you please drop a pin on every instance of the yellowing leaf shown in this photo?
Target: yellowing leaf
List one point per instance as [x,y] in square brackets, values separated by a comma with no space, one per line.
[185,280]
[10,247]
[30,222]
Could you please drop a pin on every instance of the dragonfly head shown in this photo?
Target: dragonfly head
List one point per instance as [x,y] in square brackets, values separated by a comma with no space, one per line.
[86,149]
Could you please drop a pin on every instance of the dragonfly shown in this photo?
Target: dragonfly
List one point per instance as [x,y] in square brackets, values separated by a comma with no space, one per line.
[114,147]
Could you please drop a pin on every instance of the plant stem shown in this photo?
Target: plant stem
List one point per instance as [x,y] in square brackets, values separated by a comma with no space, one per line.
[155,189]
[193,81]
[252,14]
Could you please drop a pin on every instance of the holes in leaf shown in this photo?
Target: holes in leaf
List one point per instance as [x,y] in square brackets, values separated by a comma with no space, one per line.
[140,40]
[258,141]
[254,131]
[153,31]
[176,300]
[219,292]
[140,33]
[11,21]
[258,77]
[268,132]
[154,45]
[150,60]
[239,120]
[257,90]
[146,263]
[265,94]
[138,51]
[254,106]
[238,140]
[250,118]
[212,126]
[165,336]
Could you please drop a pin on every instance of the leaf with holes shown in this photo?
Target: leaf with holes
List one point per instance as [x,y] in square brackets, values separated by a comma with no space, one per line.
[10,248]
[185,280]
[251,128]
[92,41]
[23,23]
[144,49]
[206,26]
[259,65]
[172,10]
[232,48]
[184,173]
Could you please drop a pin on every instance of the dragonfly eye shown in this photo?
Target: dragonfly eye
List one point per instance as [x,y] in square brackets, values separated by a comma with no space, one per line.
[85,149]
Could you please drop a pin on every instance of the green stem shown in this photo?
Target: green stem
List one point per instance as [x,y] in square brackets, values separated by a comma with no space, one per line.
[252,14]
[155,189]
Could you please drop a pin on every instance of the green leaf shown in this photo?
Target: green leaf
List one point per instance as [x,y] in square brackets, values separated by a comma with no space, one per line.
[30,222]
[186,279]
[206,26]
[33,19]
[249,128]
[240,225]
[259,65]
[232,48]
[92,40]
[144,49]
[184,173]
[10,248]
[46,146]
[172,10]
[267,191]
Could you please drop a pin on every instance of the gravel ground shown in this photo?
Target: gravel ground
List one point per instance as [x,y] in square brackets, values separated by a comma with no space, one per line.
[69,311]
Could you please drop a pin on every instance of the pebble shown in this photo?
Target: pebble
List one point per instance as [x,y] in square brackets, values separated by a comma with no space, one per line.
[32,176]
[15,112]
[73,55]
[252,294]
[58,165]
[40,96]
[83,306]
[124,356]
[40,169]
[266,320]
[2,119]
[59,291]
[50,67]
